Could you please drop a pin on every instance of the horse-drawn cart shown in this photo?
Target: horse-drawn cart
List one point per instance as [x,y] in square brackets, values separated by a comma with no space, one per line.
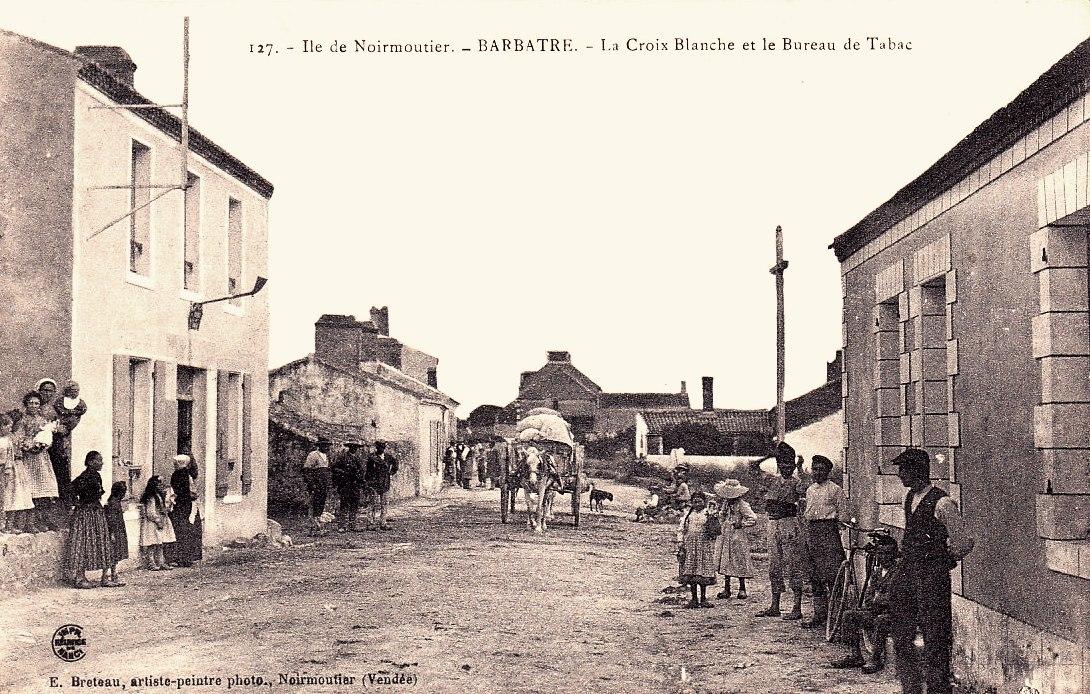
[543,460]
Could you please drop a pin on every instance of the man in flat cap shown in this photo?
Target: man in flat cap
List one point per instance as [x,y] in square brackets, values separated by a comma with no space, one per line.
[935,540]
[785,560]
[825,508]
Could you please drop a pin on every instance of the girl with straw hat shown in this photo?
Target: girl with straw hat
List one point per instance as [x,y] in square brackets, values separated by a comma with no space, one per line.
[732,551]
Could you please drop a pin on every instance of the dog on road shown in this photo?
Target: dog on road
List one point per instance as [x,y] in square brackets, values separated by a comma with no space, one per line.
[598,497]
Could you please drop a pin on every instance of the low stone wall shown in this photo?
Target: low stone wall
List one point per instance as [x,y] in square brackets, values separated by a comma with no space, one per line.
[30,560]
[997,653]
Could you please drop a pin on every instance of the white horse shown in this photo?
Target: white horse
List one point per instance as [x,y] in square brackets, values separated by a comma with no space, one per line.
[541,482]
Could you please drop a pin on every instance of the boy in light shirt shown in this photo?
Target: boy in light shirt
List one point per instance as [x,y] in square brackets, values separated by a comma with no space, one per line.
[825,507]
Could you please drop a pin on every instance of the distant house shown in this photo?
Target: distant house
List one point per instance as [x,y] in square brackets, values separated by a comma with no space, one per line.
[616,410]
[350,388]
[813,424]
[488,421]
[559,385]
[730,432]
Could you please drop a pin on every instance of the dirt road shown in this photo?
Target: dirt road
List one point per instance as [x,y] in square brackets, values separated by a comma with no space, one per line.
[450,599]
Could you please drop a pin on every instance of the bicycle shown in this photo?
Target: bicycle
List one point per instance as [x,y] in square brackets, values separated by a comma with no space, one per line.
[847,593]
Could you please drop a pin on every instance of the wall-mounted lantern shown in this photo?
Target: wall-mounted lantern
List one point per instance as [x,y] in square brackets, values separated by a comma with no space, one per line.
[196,310]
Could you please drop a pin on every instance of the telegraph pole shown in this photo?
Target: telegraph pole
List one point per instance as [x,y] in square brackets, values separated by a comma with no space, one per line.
[777,270]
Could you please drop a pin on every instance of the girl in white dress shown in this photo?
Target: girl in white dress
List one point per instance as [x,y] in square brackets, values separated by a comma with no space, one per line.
[16,499]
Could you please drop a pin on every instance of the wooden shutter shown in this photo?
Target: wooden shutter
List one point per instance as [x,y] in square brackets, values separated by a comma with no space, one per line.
[223,453]
[165,419]
[247,447]
[122,420]
[200,429]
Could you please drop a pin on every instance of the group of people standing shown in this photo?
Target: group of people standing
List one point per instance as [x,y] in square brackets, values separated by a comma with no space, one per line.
[38,493]
[475,466]
[35,457]
[170,527]
[356,477]
[911,589]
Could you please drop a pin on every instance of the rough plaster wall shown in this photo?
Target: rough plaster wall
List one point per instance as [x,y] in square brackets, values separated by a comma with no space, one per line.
[994,650]
[333,396]
[397,418]
[36,119]
[325,394]
[822,437]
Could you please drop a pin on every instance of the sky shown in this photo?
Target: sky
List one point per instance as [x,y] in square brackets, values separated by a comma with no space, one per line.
[620,205]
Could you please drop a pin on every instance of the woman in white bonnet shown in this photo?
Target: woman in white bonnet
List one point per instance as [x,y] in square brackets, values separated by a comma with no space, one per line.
[185,550]
[67,411]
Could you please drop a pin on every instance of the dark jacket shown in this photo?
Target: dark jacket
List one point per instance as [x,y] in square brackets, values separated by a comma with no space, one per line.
[346,470]
[88,487]
[183,492]
[379,471]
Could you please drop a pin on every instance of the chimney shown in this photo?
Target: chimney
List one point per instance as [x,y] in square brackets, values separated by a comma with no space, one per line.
[558,356]
[707,381]
[683,391]
[336,341]
[834,368]
[344,341]
[112,59]
[381,318]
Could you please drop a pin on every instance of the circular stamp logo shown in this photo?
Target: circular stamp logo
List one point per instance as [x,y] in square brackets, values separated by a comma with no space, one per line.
[68,643]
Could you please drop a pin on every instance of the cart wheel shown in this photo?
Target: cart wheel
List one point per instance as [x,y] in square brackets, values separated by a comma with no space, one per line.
[504,502]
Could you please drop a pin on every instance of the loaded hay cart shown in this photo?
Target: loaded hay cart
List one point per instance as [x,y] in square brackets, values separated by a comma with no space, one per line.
[543,459]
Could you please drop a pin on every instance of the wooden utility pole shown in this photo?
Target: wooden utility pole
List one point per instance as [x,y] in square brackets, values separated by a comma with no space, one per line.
[777,270]
[185,108]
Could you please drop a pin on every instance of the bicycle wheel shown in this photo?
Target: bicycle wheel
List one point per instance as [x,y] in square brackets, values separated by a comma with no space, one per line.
[874,643]
[843,596]
[871,644]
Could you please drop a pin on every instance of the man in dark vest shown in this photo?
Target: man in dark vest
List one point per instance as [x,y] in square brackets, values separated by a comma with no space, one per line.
[935,540]
[347,470]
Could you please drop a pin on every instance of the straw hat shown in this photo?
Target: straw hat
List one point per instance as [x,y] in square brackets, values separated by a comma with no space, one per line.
[730,489]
